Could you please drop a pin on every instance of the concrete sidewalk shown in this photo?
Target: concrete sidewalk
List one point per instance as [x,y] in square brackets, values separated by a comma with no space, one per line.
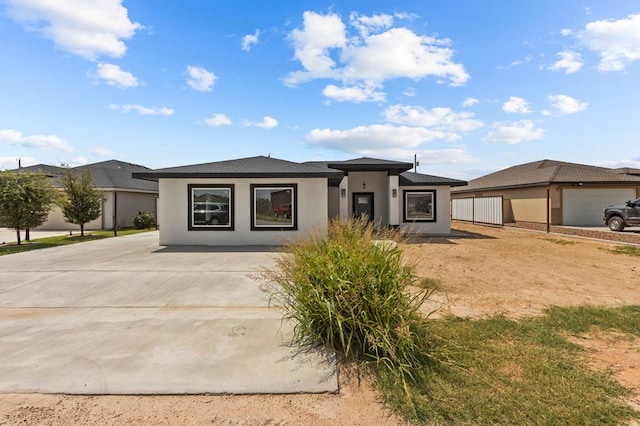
[125,316]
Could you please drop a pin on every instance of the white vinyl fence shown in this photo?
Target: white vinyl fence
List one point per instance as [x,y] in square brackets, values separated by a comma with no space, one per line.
[484,210]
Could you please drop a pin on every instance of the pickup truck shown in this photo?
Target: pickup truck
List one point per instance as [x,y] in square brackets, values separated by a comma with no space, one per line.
[617,216]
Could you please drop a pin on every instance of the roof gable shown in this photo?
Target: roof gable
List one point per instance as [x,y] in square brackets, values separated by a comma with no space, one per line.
[370,164]
[545,172]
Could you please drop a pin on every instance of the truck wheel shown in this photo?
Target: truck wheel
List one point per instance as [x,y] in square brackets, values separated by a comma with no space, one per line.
[615,223]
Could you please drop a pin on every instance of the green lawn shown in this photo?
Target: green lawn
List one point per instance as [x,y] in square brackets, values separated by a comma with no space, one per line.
[507,372]
[62,240]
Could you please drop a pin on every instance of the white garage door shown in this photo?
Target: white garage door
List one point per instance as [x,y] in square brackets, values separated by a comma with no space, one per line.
[585,206]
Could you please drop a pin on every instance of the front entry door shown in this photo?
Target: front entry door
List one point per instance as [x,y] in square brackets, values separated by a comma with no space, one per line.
[363,204]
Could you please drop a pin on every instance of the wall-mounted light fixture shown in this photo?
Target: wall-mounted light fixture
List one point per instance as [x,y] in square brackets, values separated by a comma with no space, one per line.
[343,193]
[394,193]
[364,185]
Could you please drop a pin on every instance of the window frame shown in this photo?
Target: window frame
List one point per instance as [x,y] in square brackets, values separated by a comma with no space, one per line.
[294,203]
[407,192]
[190,222]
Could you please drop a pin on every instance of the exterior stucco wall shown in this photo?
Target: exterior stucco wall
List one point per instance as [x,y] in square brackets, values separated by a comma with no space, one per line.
[378,184]
[334,202]
[129,203]
[442,225]
[55,221]
[312,211]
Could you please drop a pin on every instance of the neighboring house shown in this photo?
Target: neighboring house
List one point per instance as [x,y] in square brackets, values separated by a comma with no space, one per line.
[124,196]
[555,192]
[263,200]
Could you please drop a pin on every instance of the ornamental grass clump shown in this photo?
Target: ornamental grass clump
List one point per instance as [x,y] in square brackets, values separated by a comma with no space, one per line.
[346,290]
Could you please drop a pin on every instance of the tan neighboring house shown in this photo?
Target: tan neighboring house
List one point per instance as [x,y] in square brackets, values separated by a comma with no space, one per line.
[124,196]
[555,192]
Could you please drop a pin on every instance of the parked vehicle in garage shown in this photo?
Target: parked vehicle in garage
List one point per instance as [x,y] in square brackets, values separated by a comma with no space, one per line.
[618,216]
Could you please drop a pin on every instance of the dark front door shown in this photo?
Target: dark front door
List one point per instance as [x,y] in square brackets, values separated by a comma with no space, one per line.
[363,204]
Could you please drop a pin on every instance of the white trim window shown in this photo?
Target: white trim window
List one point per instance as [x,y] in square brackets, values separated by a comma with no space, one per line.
[210,207]
[274,207]
[419,206]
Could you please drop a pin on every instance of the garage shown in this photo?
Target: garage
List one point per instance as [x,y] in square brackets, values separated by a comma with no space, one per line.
[584,206]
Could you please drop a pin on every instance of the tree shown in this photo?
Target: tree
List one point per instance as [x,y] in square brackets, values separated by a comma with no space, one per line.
[25,199]
[81,202]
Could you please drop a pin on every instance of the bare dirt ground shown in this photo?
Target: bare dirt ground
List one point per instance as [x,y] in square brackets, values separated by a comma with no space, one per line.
[517,273]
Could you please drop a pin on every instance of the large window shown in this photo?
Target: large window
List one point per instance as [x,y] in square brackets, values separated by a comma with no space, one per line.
[274,207]
[419,206]
[210,207]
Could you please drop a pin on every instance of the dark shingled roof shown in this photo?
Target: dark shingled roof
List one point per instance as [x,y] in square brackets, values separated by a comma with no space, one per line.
[114,174]
[545,172]
[256,167]
[370,164]
[107,175]
[50,171]
[415,179]
[266,167]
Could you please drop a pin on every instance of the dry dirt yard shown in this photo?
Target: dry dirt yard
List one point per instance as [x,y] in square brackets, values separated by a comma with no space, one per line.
[513,272]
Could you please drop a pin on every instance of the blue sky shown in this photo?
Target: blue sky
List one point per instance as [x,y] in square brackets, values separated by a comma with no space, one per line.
[470,87]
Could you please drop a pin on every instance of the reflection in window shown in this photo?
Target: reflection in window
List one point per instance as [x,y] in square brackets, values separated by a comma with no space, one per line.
[419,206]
[210,207]
[274,207]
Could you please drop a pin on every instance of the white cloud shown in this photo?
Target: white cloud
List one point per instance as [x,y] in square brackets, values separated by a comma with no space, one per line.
[633,163]
[515,132]
[410,92]
[266,123]
[142,110]
[200,79]
[468,102]
[102,152]
[85,28]
[353,94]
[375,52]
[516,105]
[249,40]
[367,24]
[522,61]
[443,119]
[114,76]
[319,34]
[218,120]
[9,163]
[566,104]
[13,137]
[370,139]
[570,62]
[616,41]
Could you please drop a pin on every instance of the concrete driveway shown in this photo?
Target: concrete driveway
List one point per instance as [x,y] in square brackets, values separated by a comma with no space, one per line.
[126,316]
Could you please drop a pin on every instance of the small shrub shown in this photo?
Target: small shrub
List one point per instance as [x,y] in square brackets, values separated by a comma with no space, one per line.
[144,220]
[347,292]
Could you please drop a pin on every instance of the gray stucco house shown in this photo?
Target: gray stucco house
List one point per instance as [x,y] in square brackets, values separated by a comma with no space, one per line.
[124,196]
[265,201]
